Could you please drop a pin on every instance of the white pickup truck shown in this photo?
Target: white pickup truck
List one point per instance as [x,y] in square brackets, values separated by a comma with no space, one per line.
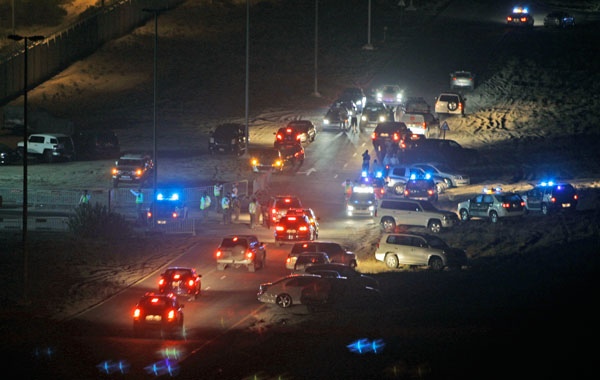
[49,147]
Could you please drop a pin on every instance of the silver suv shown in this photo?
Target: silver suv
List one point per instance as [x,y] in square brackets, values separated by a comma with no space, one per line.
[451,103]
[418,249]
[408,212]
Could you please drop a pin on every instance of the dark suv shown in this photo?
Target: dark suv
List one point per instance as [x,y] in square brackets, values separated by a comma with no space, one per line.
[158,312]
[133,168]
[228,138]
[388,134]
[421,189]
[336,253]
[548,197]
[294,227]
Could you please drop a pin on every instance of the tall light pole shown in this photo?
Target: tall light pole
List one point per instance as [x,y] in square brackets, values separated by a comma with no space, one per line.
[368,46]
[26,39]
[247,70]
[156,12]
[316,93]
[13,17]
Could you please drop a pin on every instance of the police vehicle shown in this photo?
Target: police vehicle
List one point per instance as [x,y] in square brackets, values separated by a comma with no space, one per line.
[492,204]
[362,202]
[550,196]
[421,188]
[520,17]
[166,208]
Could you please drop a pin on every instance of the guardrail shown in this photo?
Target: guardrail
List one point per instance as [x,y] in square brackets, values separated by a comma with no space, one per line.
[36,223]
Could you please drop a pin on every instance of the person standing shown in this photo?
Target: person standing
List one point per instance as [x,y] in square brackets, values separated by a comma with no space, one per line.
[207,204]
[236,206]
[203,207]
[85,198]
[139,201]
[225,207]
[252,212]
[354,122]
[257,211]
[347,189]
[217,190]
[366,161]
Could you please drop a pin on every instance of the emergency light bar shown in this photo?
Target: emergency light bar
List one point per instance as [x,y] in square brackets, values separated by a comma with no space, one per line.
[549,183]
[491,191]
[520,10]
[363,189]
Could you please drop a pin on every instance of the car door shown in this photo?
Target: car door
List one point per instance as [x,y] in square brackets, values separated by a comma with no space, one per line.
[400,245]
[414,214]
[476,206]
[419,251]
[488,201]
[534,198]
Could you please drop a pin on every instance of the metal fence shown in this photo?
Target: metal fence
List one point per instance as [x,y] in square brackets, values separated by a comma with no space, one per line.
[37,223]
[61,49]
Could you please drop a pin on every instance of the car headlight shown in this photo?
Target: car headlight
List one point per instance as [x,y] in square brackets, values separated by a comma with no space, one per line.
[2,154]
[371,208]
[379,95]
[359,102]
[381,118]
[350,207]
[363,118]
[325,121]
[399,96]
[255,162]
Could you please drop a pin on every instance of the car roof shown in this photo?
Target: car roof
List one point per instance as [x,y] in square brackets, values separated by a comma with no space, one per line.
[239,236]
[390,125]
[49,135]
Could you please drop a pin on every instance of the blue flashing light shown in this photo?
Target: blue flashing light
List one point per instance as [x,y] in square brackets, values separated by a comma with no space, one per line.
[413,176]
[498,189]
[174,197]
[427,176]
[559,187]
[379,174]
[363,173]
[160,197]
[363,346]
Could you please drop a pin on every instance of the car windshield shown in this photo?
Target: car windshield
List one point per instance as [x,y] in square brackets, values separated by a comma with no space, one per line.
[462,75]
[563,190]
[129,162]
[449,98]
[444,169]
[389,89]
[233,242]
[269,154]
[436,242]
[227,130]
[374,107]
[154,302]
[429,207]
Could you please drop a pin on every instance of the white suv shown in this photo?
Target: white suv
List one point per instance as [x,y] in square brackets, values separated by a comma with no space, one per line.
[49,146]
[450,103]
[418,249]
[408,212]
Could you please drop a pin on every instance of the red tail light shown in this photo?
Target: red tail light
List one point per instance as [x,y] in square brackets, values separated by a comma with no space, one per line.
[396,137]
[161,282]
[509,18]
[506,205]
[575,196]
[289,130]
[174,215]
[219,253]
[373,135]
[303,228]
[138,172]
[454,78]
[249,254]
[279,137]
[137,312]
[460,106]
[191,283]
[149,214]
[288,260]
[406,192]
[279,228]
[176,276]
[402,144]
[553,199]
[382,191]
[424,125]
[523,19]
[171,315]
[115,171]
[523,204]
[430,192]
[298,137]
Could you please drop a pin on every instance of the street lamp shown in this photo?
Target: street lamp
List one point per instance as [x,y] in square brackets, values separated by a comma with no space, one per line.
[156,12]
[26,39]
[316,93]
[368,46]
[247,71]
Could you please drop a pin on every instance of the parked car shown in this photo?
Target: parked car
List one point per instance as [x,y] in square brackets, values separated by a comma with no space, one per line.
[462,79]
[228,138]
[8,155]
[304,128]
[356,95]
[241,250]
[284,157]
[310,214]
[362,202]
[398,176]
[373,114]
[441,150]
[451,176]
[413,104]
[547,197]
[280,204]
[93,144]
[133,168]
[410,212]
[337,116]
[421,189]
[295,289]
[49,147]
[450,103]
[559,19]
[335,252]
[418,250]
[420,123]
[166,209]
[493,204]
[294,228]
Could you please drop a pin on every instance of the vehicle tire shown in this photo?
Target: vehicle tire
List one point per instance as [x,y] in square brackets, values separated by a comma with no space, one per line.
[436,264]
[545,209]
[493,217]
[252,268]
[435,226]
[464,215]
[284,300]
[220,267]
[48,156]
[391,261]
[388,224]
[452,106]
[448,182]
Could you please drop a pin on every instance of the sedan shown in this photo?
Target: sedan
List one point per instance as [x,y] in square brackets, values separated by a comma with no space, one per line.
[295,289]
[449,175]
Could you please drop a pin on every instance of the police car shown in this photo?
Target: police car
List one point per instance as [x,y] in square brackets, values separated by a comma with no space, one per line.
[550,196]
[520,17]
[167,208]
[493,204]
[362,202]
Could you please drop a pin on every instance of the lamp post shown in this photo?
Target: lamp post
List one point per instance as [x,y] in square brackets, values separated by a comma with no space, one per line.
[156,12]
[246,90]
[26,39]
[316,93]
[368,46]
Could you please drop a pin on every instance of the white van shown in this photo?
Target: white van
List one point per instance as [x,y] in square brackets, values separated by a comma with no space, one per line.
[420,123]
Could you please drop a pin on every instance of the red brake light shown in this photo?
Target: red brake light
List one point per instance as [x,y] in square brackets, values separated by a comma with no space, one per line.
[289,130]
[249,254]
[171,314]
[506,205]
[288,260]
[149,214]
[303,228]
[115,171]
[553,199]
[304,245]
[154,300]
[406,192]
[298,137]
[575,196]
[396,137]
[523,204]
[176,276]
[161,281]
[454,78]
[279,228]
[174,215]
[137,312]
[274,211]
[138,172]
[235,238]
[279,137]
[460,106]
[291,218]
[430,192]
[287,200]
[523,19]
[424,125]
[402,144]
[509,18]
[219,253]
[382,191]
[373,135]
[191,283]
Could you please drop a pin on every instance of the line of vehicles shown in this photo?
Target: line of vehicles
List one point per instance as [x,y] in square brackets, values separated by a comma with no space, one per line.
[520,16]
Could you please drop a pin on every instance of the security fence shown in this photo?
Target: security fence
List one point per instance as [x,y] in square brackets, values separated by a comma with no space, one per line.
[59,50]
